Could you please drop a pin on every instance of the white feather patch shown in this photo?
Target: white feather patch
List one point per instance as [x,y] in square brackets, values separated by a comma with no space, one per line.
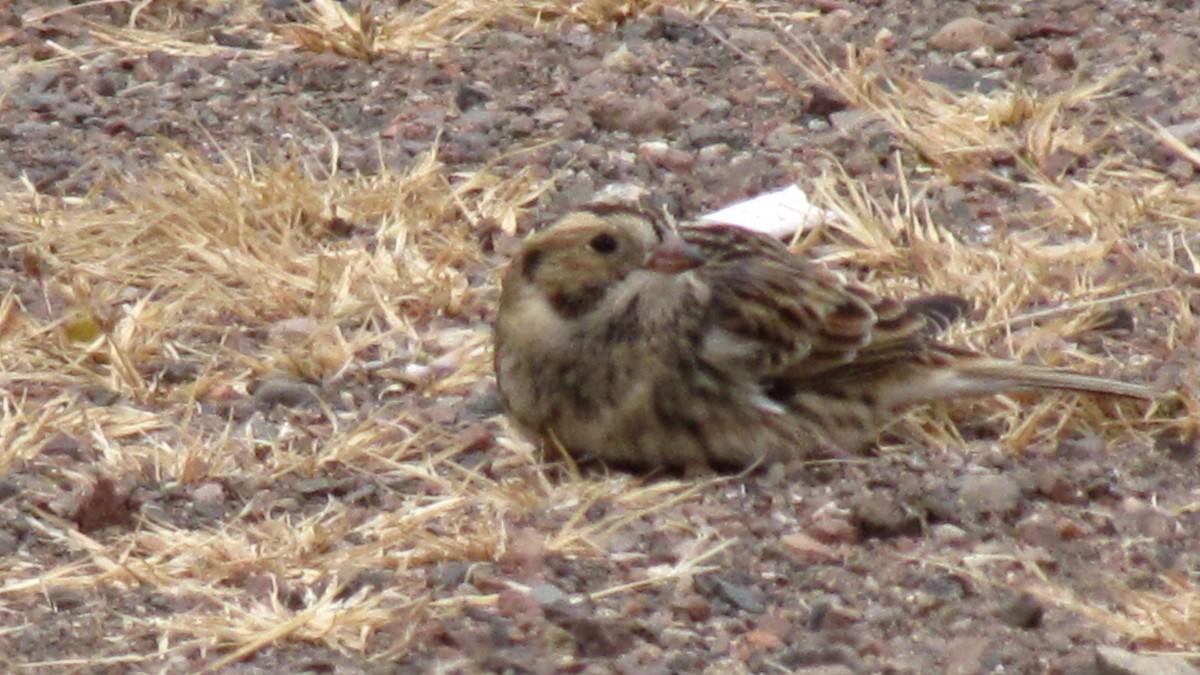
[764,402]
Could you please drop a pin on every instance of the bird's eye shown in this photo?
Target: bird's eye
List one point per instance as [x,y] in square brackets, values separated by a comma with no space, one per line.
[603,244]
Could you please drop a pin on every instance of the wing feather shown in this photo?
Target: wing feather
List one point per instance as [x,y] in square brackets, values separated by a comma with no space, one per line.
[789,318]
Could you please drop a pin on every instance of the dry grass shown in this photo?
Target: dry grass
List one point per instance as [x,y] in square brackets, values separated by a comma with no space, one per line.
[430,26]
[249,269]
[1120,234]
[204,263]
[365,30]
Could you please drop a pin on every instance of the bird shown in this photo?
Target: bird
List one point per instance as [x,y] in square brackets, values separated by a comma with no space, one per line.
[627,340]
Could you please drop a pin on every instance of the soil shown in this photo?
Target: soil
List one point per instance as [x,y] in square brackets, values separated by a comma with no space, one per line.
[967,558]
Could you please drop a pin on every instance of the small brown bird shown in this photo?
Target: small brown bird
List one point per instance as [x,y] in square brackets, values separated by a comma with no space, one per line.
[639,345]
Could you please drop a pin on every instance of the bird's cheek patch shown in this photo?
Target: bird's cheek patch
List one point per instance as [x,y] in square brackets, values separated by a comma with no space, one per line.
[530,263]
[576,302]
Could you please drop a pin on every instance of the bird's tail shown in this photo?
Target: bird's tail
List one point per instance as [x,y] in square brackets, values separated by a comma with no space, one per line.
[988,376]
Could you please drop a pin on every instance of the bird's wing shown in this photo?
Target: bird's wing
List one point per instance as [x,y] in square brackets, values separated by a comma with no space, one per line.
[774,315]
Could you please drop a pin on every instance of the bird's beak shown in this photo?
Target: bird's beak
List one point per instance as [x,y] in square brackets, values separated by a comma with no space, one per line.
[674,256]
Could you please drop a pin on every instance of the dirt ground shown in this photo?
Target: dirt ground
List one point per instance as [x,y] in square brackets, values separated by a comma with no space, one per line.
[249,256]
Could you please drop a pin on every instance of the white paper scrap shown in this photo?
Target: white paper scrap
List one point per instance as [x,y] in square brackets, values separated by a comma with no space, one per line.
[781,213]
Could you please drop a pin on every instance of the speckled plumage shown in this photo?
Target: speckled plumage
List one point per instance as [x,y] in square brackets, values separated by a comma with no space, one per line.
[633,344]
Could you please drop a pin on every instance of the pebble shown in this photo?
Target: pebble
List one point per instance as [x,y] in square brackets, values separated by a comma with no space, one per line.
[208,493]
[881,515]
[945,533]
[828,669]
[275,393]
[547,594]
[805,548]
[967,34]
[742,597]
[661,154]
[786,137]
[988,494]
[622,60]
[617,112]
[753,38]
[1115,661]
[833,530]
[1024,612]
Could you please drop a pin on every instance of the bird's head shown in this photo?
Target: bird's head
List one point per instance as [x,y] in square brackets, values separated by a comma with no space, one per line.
[576,261]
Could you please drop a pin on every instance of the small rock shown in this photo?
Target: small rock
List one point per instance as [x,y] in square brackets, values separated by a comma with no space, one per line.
[290,330]
[962,81]
[551,115]
[761,639]
[966,655]
[323,485]
[514,604]
[1181,170]
[1038,529]
[547,594]
[741,597]
[702,135]
[885,40]
[1114,661]
[676,638]
[469,96]
[834,529]
[66,599]
[817,125]
[982,57]
[753,38]
[1138,518]
[275,393]
[944,588]
[825,101]
[615,112]
[717,105]
[945,533]
[988,494]
[622,60]
[209,493]
[1009,60]
[594,638]
[178,372]
[827,669]
[449,575]
[805,548]
[62,445]
[1062,57]
[786,137]
[713,154]
[967,34]
[101,396]
[481,120]
[1055,484]
[101,506]
[882,516]
[1176,51]
[1024,612]
[373,579]
[850,120]
[658,152]
[861,162]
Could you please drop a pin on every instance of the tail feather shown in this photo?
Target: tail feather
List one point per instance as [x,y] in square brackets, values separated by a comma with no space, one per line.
[992,377]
